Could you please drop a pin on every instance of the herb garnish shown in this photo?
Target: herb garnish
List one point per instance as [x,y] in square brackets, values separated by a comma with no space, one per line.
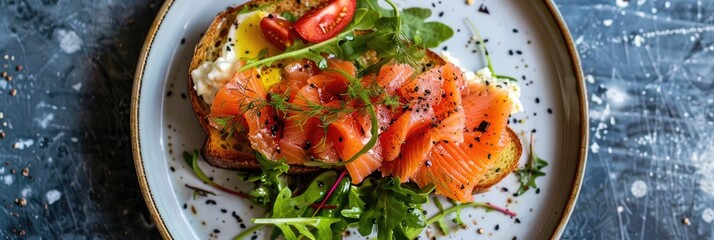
[192,161]
[440,218]
[488,57]
[528,174]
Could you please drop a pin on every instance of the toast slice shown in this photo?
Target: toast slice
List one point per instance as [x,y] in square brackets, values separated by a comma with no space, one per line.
[235,152]
[504,165]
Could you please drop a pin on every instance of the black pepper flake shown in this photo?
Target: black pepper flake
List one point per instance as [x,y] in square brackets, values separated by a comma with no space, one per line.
[497,227]
[210,202]
[537,190]
[483,126]
[183,40]
[185,206]
[224,210]
[216,231]
[242,225]
[169,93]
[441,14]
[254,237]
[518,220]
[445,48]
[238,218]
[504,189]
[550,111]
[510,52]
[172,169]
[515,30]
[537,100]
[183,95]
[483,9]
[514,238]
[519,52]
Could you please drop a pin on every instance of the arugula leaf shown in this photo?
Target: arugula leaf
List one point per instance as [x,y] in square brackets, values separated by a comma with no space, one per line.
[287,207]
[441,221]
[269,181]
[286,225]
[395,210]
[374,6]
[533,169]
[431,34]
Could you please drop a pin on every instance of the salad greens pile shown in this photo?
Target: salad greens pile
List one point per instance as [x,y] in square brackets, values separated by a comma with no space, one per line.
[328,204]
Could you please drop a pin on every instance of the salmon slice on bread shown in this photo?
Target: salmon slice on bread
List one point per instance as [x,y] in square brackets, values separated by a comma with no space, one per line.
[234,151]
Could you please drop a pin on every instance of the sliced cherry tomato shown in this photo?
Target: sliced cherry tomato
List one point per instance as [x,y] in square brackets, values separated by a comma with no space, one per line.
[325,22]
[279,32]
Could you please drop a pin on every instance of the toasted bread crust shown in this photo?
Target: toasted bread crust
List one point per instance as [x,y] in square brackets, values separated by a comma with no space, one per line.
[502,167]
[235,152]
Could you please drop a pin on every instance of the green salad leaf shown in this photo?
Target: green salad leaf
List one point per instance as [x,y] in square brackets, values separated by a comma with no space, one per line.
[269,182]
[533,169]
[395,209]
[297,228]
[287,207]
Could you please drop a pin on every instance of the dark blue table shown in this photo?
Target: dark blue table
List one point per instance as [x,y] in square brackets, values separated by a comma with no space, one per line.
[66,168]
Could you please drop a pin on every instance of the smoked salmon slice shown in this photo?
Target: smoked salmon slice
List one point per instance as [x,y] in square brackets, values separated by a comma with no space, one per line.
[487,108]
[346,135]
[392,77]
[296,141]
[450,116]
[411,159]
[264,129]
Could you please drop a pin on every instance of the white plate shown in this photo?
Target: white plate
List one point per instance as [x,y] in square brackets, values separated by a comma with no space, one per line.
[163,123]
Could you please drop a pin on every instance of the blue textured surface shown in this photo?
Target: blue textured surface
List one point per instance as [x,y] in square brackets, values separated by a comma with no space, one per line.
[648,67]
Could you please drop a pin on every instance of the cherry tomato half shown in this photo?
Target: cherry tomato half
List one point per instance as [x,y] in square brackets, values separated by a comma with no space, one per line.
[324,23]
[279,32]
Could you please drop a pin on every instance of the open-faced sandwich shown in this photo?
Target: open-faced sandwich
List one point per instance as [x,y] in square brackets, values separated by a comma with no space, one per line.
[347,91]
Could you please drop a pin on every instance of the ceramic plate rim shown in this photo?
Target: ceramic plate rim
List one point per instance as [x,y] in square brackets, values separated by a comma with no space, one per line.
[139,163]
